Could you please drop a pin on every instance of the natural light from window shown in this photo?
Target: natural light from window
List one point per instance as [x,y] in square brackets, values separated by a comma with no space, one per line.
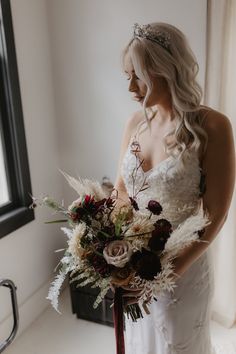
[4,195]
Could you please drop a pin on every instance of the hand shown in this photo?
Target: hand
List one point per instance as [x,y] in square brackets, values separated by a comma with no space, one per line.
[131,295]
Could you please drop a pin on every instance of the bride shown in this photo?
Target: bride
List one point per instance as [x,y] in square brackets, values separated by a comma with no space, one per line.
[188,156]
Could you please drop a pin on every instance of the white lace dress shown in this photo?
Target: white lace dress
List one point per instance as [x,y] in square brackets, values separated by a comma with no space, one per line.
[179,322]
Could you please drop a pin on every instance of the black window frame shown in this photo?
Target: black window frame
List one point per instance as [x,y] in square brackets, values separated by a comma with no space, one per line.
[16,212]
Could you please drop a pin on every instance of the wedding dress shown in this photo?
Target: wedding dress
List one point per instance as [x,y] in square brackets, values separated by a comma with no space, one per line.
[179,322]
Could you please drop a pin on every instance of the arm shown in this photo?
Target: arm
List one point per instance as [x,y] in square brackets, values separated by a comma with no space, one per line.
[219,166]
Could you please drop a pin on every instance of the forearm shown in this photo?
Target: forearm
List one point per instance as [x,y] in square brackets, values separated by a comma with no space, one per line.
[191,253]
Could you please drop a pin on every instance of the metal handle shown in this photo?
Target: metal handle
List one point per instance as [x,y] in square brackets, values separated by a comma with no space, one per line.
[9,284]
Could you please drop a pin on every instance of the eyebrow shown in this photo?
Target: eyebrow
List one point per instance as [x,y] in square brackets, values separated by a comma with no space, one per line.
[127,71]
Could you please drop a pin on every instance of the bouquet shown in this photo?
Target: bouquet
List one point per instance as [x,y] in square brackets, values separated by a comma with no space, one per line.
[113,247]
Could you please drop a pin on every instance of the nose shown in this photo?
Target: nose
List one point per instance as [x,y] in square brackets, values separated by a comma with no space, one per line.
[132,86]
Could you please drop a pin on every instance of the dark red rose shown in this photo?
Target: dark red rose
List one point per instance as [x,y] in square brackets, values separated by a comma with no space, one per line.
[146,264]
[134,203]
[154,207]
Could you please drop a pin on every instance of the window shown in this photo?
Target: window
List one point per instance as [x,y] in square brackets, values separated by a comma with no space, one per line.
[15,184]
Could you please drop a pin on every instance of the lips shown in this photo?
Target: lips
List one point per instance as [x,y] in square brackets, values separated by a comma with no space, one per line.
[137,98]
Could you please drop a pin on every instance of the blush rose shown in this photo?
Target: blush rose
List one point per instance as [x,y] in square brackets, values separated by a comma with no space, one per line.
[118,253]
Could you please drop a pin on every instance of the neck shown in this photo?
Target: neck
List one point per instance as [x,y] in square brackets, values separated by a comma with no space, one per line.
[164,114]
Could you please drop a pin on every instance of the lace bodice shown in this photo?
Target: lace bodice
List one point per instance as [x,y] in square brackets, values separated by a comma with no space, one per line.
[178,322]
[177,190]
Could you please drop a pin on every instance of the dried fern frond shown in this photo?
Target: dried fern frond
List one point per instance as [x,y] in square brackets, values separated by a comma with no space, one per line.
[186,233]
[85,186]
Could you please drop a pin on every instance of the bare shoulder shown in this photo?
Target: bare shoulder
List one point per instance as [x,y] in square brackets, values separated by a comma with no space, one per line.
[220,147]
[133,121]
[215,122]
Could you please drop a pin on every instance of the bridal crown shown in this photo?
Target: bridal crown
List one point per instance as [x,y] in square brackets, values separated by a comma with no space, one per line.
[146,31]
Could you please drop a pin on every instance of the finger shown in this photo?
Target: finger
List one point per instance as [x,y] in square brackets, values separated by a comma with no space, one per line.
[130,302]
[132,294]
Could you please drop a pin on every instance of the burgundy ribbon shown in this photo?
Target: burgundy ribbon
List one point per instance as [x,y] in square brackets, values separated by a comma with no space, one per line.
[118,321]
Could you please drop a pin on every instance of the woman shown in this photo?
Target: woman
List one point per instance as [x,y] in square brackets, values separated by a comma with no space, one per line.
[186,149]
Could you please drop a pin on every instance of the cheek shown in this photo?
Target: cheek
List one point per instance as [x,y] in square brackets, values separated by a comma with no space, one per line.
[142,88]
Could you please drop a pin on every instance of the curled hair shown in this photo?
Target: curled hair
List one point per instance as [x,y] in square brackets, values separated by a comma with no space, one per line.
[179,67]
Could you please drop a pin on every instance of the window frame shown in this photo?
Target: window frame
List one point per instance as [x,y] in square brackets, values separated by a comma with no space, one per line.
[16,212]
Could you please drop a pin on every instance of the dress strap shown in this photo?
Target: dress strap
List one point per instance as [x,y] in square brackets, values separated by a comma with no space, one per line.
[135,136]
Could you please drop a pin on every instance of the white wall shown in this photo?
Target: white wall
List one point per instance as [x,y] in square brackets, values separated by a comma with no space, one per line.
[92,99]
[27,255]
[75,104]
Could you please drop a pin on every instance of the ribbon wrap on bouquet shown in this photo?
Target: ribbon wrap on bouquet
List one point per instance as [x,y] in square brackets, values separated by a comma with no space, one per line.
[119,321]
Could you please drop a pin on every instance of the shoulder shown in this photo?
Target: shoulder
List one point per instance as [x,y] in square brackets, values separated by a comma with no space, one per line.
[130,128]
[220,145]
[132,123]
[219,132]
[215,122]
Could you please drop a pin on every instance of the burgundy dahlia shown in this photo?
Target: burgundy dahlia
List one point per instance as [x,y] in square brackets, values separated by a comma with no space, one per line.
[154,207]
[160,235]
[164,225]
[158,240]
[146,264]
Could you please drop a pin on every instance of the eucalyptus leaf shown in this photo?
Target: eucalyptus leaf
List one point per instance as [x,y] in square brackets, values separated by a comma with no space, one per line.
[55,221]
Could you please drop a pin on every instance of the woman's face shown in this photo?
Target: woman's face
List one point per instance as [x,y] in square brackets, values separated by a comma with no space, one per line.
[160,91]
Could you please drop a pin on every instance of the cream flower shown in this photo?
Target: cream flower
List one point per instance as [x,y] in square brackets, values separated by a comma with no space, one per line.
[140,224]
[118,253]
[74,243]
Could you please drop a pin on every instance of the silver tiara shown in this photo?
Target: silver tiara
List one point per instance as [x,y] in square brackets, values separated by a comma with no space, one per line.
[146,31]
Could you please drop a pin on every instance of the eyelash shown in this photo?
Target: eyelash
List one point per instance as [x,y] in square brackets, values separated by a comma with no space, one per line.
[137,78]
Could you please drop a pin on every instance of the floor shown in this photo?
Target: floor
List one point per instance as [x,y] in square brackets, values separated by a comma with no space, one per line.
[53,333]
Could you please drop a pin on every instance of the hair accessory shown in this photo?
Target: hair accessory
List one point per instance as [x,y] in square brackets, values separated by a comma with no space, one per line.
[146,31]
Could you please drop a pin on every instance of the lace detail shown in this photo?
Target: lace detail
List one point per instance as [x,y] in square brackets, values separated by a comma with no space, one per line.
[180,321]
[177,190]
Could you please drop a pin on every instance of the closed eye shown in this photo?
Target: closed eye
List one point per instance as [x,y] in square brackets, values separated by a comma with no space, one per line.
[135,77]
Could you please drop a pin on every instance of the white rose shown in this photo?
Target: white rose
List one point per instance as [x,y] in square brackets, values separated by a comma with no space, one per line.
[118,253]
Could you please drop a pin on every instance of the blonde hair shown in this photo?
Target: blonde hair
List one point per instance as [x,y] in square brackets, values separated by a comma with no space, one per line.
[179,67]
